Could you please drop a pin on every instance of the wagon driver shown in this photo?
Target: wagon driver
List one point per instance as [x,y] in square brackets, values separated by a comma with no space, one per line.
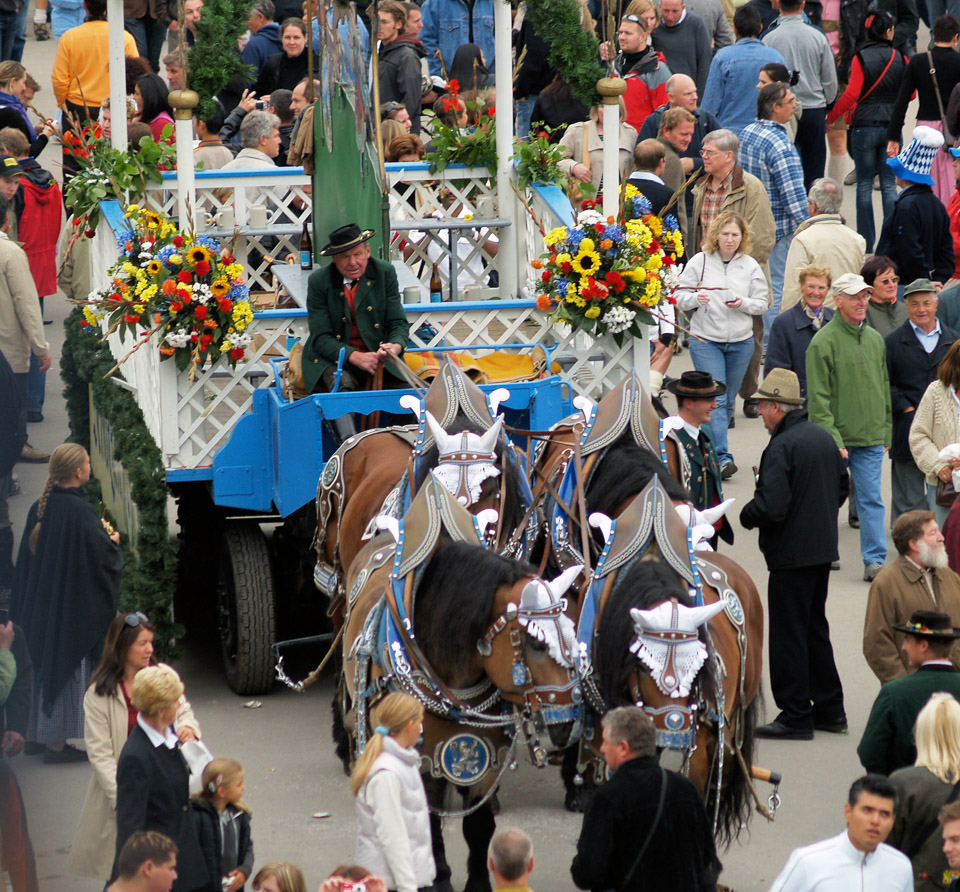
[354,304]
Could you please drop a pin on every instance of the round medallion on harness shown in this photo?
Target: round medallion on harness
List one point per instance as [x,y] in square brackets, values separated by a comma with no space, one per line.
[330,470]
[673,721]
[465,759]
[734,607]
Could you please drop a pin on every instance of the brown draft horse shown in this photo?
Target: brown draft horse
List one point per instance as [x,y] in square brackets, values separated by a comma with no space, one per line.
[700,684]
[484,646]
[366,469]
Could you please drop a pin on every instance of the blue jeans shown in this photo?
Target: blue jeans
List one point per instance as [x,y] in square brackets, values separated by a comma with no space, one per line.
[36,386]
[811,143]
[524,111]
[8,32]
[20,37]
[865,464]
[149,35]
[727,363]
[777,262]
[868,145]
[937,8]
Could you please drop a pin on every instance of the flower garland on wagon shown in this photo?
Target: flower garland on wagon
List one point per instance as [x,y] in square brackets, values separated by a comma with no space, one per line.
[605,274]
[184,288]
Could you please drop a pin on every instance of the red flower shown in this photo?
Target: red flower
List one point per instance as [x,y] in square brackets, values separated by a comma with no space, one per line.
[90,233]
[206,340]
[492,111]
[668,260]
[184,276]
[200,312]
[599,227]
[131,319]
[450,104]
[615,281]
[115,297]
[453,86]
[175,306]
[236,353]
[546,275]
[77,221]
[194,338]
[202,268]
[544,134]
[654,247]
[84,323]
[566,268]
[588,204]
[178,241]
[226,305]
[187,299]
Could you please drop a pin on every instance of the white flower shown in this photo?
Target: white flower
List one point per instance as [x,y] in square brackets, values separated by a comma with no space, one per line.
[670,276]
[618,319]
[589,218]
[241,339]
[178,339]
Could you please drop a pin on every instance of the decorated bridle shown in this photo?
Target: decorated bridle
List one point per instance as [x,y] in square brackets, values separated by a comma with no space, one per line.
[465,460]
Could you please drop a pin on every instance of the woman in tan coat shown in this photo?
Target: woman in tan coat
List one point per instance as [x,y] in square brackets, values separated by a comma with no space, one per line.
[936,425]
[586,161]
[109,717]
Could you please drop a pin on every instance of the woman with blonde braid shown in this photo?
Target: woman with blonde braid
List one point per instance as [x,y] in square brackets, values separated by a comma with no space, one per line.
[393,821]
[64,597]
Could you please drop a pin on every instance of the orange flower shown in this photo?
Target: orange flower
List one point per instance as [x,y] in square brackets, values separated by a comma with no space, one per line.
[536,264]
[169,286]
[606,244]
[611,220]
[544,302]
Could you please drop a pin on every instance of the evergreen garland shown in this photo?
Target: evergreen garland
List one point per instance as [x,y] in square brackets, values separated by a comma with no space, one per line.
[214,58]
[149,569]
[573,51]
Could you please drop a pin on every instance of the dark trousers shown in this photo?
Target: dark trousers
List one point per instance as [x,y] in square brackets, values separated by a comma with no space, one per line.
[803,675]
[811,144]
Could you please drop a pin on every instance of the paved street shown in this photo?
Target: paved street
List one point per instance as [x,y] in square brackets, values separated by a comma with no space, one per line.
[285,746]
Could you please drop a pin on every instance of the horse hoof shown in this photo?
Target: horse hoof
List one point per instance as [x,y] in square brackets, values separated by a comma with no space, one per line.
[578,800]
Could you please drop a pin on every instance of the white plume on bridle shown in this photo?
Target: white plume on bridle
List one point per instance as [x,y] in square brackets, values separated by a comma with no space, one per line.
[465,460]
[673,661]
[539,598]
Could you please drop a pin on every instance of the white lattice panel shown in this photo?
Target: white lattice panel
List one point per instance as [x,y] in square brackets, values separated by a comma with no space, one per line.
[284,194]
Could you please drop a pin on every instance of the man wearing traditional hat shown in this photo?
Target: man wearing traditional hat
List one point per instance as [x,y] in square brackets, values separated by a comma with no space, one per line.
[918,580]
[353,304]
[917,234]
[696,394]
[914,351]
[928,641]
[849,397]
[800,487]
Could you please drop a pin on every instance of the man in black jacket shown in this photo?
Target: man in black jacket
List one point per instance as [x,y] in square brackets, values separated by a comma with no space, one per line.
[801,485]
[914,351]
[399,61]
[627,842]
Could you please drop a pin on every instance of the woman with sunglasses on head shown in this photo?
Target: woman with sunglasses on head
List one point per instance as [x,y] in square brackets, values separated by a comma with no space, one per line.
[64,596]
[109,719]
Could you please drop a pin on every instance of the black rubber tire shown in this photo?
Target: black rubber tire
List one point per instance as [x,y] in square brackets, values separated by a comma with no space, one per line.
[246,608]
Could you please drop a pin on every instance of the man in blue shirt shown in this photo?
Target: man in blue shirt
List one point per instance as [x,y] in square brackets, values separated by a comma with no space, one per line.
[767,152]
[264,37]
[733,68]
[448,24]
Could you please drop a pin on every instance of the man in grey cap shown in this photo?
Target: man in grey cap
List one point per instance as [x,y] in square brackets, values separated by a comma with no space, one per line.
[801,485]
[848,395]
[914,351]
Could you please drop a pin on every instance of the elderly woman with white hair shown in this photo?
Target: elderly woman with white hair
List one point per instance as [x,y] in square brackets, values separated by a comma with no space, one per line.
[153,778]
[924,788]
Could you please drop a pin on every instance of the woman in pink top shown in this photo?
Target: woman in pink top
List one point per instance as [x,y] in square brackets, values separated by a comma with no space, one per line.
[151,95]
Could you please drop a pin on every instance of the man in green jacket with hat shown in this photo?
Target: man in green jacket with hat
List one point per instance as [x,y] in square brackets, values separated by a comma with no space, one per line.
[848,393]
[352,304]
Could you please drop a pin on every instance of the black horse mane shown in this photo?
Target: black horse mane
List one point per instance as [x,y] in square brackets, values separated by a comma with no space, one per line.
[625,470]
[454,600]
[511,508]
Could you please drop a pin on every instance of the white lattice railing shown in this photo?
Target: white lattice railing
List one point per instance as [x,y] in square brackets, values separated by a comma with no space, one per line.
[192,420]
[280,191]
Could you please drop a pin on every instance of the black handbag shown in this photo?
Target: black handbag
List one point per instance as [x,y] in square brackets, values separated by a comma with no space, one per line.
[946,495]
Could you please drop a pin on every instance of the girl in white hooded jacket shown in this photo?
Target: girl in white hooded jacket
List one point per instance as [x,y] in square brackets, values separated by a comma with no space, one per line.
[722,287]
[393,821]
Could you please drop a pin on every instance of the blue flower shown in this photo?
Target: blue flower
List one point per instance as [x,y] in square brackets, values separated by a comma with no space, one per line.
[670,222]
[211,244]
[239,292]
[575,238]
[562,285]
[614,232]
[644,204]
[164,253]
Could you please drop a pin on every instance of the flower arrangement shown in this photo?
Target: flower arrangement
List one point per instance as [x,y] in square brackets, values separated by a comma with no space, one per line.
[184,288]
[605,274]
[475,147]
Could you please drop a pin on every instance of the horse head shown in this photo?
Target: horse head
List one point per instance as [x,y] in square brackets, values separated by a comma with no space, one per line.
[466,460]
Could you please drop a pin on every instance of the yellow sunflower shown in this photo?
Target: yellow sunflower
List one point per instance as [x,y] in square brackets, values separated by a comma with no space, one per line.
[154,266]
[198,253]
[586,263]
[220,287]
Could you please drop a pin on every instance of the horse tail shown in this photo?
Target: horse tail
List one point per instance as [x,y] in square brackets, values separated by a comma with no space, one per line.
[341,736]
[737,801]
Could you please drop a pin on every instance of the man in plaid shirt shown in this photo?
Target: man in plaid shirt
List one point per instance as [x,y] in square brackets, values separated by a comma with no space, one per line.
[767,152]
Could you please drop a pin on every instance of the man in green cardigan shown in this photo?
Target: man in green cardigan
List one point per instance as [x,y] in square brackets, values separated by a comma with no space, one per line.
[887,743]
[352,304]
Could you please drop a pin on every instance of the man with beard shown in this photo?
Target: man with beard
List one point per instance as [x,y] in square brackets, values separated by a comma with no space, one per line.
[888,742]
[917,580]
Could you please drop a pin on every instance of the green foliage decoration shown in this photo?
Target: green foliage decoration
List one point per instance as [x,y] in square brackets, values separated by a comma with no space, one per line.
[214,59]
[573,52]
[149,570]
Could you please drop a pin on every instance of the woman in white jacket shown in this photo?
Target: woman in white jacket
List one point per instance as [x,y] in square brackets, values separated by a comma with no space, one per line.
[108,719]
[393,821]
[723,286]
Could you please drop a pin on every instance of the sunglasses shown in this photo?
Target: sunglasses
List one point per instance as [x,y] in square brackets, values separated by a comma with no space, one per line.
[134,619]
